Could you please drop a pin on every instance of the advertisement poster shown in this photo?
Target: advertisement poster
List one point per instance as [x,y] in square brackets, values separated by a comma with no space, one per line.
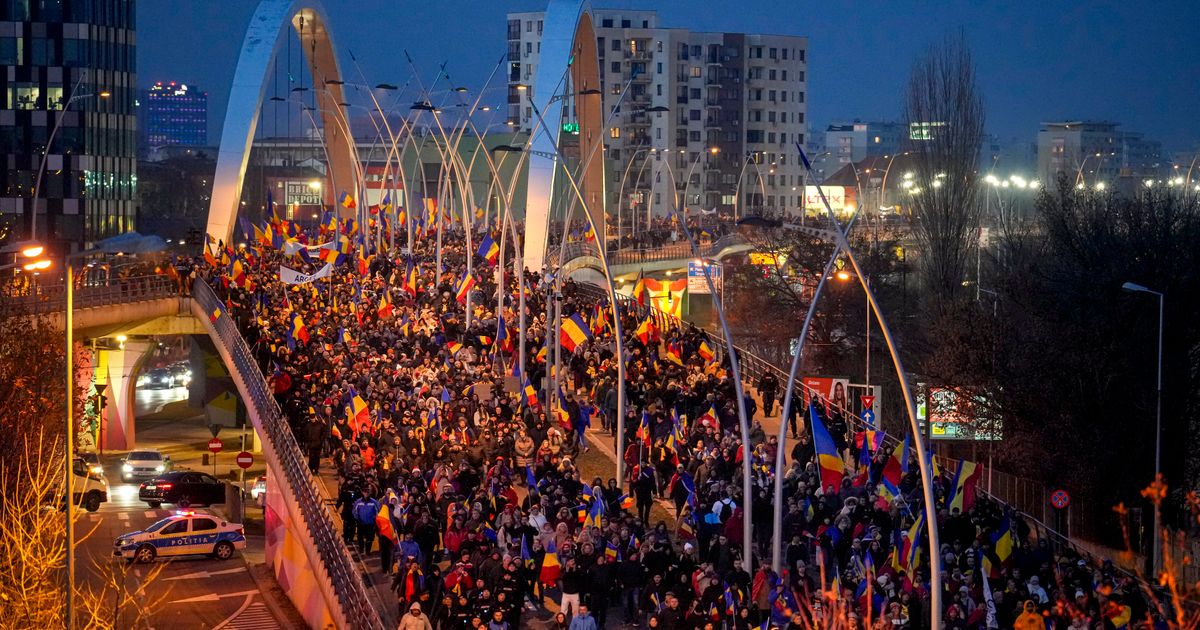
[835,391]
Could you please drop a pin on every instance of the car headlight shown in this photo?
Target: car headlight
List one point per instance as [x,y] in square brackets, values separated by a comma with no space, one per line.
[97,470]
[159,468]
[127,468]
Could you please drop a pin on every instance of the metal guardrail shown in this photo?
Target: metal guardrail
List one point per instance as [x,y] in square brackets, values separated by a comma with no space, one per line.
[307,492]
[671,251]
[51,298]
[754,367]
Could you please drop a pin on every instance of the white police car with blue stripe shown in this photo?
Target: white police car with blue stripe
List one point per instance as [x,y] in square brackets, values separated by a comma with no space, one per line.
[182,534]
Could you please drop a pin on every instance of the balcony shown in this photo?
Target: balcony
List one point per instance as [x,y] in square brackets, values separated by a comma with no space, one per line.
[640,55]
[712,123]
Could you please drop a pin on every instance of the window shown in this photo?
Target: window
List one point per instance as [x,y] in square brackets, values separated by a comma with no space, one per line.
[771,137]
[694,114]
[178,527]
[771,74]
[606,23]
[756,115]
[799,97]
[528,48]
[528,26]
[203,524]
[659,86]
[694,136]
[696,51]
[800,55]
[614,132]
[784,77]
[773,53]
[785,54]
[754,135]
[539,27]
[771,95]
[616,45]
[695,72]
[11,50]
[694,93]
[771,116]
[660,68]
[616,67]
[626,24]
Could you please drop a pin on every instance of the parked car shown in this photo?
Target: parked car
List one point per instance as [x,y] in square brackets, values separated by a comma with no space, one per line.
[144,464]
[183,488]
[88,488]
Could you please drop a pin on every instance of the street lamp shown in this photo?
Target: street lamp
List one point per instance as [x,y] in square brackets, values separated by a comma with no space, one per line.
[1157,558]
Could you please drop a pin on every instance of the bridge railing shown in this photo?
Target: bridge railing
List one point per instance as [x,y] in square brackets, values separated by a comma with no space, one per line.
[630,256]
[306,491]
[40,299]
[754,368]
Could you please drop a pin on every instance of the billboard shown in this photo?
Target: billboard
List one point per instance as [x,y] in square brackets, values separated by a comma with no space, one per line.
[840,198]
[956,413]
[301,194]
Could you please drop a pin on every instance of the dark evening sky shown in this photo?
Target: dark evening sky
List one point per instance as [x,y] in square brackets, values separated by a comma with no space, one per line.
[1131,62]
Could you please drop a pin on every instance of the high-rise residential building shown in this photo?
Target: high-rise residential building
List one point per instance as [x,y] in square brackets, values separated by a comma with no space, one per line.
[1095,151]
[734,111]
[856,141]
[173,114]
[69,94]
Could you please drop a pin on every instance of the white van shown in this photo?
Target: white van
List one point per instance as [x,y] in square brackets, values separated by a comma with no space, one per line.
[89,489]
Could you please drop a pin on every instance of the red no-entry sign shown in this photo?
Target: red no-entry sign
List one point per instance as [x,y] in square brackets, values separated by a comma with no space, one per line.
[1060,499]
[215,445]
[244,459]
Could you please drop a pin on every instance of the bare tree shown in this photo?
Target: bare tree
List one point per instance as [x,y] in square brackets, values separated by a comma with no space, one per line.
[944,111]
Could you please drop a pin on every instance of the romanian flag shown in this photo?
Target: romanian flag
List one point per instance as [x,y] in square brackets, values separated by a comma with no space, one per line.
[706,351]
[610,551]
[541,355]
[889,485]
[347,201]
[344,336]
[216,314]
[674,353]
[564,417]
[626,502]
[833,469]
[502,336]
[531,396]
[364,264]
[550,567]
[639,291]
[908,555]
[297,329]
[590,235]
[645,331]
[709,417]
[962,491]
[1003,543]
[573,332]
[488,249]
[454,347]
[411,278]
[383,523]
[643,430]
[385,306]
[464,287]
[357,413]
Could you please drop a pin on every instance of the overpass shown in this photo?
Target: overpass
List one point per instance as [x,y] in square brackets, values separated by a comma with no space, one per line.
[308,558]
[580,255]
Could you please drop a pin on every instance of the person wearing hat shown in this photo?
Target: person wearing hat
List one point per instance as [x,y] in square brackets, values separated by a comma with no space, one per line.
[415,619]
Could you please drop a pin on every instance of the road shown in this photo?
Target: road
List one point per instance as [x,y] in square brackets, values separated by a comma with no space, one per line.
[190,592]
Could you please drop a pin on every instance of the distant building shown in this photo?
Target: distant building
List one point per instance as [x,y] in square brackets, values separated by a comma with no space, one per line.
[1095,151]
[68,64]
[173,115]
[744,95]
[856,141]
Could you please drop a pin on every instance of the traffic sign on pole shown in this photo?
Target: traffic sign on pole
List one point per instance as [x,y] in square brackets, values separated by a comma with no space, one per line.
[245,460]
[1060,499]
[867,401]
[215,445]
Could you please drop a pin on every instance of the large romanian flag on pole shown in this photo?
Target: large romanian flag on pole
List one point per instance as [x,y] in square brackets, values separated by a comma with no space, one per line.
[574,332]
[833,469]
[962,491]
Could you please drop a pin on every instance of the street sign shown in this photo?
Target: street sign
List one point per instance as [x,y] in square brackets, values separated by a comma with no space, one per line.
[697,283]
[867,401]
[868,417]
[244,460]
[1060,499]
[215,445]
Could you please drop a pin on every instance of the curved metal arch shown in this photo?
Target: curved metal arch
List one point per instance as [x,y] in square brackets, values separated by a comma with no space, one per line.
[264,36]
[568,46]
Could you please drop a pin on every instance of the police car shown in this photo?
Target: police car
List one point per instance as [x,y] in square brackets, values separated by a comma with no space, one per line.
[182,534]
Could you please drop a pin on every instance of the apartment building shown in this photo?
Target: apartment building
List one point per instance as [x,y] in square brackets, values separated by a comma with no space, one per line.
[718,114]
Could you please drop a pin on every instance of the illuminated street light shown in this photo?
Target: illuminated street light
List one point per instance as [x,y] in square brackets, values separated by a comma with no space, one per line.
[843,275]
[1100,185]
[37,265]
[315,185]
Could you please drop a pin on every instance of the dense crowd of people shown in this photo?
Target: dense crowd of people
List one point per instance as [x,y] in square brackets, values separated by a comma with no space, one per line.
[461,468]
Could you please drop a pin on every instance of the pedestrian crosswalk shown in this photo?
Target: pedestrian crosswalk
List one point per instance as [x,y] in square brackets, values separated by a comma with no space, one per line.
[256,616]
